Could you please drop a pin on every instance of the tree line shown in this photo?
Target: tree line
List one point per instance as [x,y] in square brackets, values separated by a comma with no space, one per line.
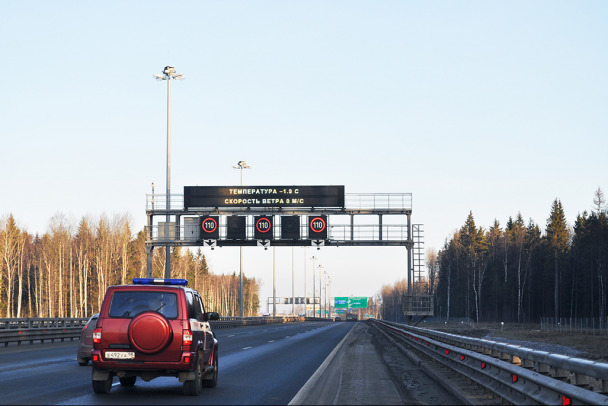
[518,273]
[66,271]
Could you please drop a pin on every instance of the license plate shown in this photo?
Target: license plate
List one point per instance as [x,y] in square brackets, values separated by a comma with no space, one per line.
[120,355]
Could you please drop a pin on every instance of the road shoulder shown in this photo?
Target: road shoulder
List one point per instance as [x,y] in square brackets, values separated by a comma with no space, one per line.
[354,373]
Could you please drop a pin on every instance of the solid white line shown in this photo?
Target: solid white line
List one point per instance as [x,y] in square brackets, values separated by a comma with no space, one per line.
[271,341]
[246,348]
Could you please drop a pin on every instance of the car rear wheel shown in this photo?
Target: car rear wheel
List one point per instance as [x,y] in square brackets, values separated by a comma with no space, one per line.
[103,387]
[128,381]
[194,387]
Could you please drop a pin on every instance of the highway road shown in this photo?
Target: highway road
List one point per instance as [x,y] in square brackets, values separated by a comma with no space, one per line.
[266,364]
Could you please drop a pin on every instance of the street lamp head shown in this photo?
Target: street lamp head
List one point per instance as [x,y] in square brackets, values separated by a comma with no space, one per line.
[169,73]
[241,165]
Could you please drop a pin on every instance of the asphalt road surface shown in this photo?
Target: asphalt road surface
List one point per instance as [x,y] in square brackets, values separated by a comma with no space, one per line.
[258,365]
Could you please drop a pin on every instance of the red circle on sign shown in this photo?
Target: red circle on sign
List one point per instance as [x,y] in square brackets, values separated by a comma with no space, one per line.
[257,225]
[214,225]
[317,230]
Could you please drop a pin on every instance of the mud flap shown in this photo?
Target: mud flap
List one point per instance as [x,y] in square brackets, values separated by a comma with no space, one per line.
[100,375]
[186,376]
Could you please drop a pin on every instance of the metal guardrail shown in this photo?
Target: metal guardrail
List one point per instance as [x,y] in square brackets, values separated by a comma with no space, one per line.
[40,329]
[51,329]
[517,374]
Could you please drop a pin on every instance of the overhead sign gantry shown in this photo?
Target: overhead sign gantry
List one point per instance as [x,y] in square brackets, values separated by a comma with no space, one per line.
[217,216]
[277,216]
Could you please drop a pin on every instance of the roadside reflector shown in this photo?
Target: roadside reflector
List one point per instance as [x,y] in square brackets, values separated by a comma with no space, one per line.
[483,365]
[447,352]
[462,357]
[515,378]
[566,401]
[427,343]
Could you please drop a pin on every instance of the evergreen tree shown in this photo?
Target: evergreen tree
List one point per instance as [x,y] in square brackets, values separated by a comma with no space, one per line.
[558,237]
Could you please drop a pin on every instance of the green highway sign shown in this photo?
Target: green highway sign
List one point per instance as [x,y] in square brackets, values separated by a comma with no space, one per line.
[341,302]
[350,302]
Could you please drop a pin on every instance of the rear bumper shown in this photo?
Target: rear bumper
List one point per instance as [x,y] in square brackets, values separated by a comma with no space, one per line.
[171,368]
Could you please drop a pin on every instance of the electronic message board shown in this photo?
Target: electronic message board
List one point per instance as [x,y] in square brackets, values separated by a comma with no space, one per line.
[236,227]
[263,196]
[263,228]
[210,228]
[290,227]
[317,227]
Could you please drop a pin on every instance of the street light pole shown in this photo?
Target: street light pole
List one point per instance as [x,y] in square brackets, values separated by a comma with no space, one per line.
[274,282]
[241,165]
[329,295]
[320,287]
[293,281]
[305,298]
[168,74]
[314,302]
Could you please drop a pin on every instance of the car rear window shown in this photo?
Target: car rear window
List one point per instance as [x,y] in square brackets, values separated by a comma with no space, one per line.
[129,304]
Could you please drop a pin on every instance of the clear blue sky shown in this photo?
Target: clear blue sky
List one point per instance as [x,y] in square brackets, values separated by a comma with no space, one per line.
[490,107]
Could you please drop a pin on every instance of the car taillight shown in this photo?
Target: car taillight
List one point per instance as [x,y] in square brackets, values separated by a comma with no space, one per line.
[187,337]
[97,336]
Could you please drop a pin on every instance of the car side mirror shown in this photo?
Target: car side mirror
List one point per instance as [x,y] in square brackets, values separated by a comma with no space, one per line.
[211,316]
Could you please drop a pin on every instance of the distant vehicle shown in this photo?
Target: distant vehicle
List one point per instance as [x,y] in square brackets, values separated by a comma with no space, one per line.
[85,345]
[352,317]
[337,318]
[155,327]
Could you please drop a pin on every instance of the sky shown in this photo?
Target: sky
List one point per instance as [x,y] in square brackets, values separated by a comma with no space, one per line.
[489,108]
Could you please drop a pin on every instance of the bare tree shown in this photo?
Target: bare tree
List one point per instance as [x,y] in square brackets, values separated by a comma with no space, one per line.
[599,201]
[431,265]
[11,249]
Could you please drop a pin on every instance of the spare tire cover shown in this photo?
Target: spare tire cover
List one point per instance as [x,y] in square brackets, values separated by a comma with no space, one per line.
[150,332]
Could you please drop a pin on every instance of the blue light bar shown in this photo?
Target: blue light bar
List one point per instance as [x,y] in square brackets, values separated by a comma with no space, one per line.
[160,281]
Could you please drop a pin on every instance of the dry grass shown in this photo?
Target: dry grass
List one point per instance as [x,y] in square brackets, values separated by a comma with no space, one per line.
[591,347]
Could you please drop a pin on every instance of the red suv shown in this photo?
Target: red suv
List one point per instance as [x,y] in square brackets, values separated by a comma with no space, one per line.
[155,327]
